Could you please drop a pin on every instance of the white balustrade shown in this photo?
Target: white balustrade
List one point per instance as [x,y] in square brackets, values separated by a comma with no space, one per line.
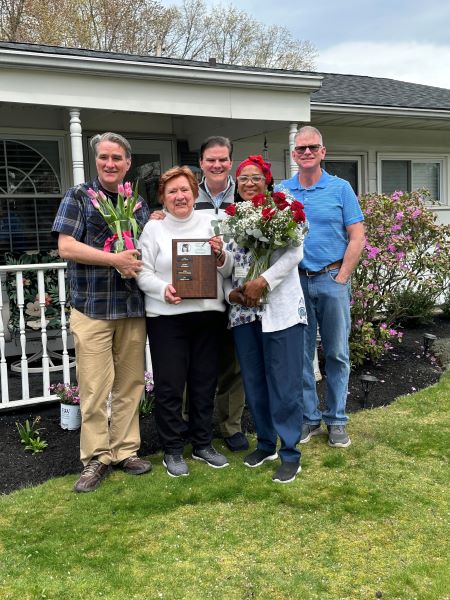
[37,353]
[32,363]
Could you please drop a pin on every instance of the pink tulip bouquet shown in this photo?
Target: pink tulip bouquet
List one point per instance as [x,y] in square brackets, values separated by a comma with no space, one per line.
[120,218]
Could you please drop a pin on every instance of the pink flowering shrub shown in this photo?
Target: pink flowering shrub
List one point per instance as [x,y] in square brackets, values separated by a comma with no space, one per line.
[406,252]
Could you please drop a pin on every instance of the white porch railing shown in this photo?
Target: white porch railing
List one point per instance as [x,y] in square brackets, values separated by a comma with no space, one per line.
[26,343]
[34,352]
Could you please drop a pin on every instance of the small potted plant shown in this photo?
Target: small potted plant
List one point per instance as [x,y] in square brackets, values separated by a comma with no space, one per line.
[68,395]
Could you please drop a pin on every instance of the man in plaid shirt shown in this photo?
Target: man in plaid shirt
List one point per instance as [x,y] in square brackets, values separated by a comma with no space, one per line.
[107,320]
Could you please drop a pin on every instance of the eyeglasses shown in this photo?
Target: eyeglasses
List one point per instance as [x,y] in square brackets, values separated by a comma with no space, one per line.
[310,147]
[252,178]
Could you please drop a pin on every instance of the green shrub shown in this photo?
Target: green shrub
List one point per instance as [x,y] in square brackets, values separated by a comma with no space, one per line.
[446,306]
[410,305]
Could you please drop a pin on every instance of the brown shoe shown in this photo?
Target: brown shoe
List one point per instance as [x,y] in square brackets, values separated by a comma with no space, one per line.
[91,476]
[135,465]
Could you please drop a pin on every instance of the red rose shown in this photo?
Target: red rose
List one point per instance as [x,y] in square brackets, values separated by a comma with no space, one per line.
[296,205]
[231,210]
[258,200]
[280,200]
[278,196]
[268,212]
[299,215]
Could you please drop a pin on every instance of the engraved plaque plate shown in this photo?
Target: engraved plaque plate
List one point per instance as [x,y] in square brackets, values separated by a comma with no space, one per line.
[194,269]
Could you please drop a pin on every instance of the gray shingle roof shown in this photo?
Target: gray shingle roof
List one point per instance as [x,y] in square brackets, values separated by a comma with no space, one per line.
[379,91]
[336,88]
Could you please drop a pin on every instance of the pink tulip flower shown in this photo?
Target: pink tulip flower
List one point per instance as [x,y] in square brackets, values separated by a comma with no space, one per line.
[128,190]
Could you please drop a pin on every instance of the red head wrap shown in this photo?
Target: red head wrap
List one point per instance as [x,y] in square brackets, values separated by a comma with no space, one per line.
[257,161]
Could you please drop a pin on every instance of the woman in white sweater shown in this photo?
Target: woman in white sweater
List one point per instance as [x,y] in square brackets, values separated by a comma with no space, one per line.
[183,333]
[269,337]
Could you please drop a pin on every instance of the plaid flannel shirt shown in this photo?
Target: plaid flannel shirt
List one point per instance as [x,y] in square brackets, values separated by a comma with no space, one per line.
[98,292]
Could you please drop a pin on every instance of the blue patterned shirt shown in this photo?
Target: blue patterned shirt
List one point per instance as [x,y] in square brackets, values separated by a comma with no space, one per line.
[96,291]
[238,314]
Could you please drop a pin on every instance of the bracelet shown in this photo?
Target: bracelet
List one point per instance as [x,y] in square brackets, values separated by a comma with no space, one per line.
[219,256]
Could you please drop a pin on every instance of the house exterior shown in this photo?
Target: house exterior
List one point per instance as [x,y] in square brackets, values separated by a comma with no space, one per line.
[380,134]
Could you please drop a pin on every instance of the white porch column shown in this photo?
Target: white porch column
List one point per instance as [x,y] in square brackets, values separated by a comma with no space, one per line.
[77,146]
[292,131]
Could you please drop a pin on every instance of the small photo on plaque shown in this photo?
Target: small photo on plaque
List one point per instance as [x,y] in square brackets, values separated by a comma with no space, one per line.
[194,269]
[193,249]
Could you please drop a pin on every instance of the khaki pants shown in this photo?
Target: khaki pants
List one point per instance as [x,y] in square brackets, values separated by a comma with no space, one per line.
[110,358]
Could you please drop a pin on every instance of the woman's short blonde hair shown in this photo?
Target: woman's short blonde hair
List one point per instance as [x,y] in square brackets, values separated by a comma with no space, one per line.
[177,172]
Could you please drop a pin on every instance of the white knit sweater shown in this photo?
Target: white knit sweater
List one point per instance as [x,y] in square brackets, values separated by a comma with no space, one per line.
[156,247]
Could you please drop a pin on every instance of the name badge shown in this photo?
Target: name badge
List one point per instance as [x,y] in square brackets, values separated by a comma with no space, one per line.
[241,272]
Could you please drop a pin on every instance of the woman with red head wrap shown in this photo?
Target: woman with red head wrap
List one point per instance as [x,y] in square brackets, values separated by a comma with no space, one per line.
[268,336]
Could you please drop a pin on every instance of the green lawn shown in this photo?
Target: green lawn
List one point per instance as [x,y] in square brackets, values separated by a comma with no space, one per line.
[357,522]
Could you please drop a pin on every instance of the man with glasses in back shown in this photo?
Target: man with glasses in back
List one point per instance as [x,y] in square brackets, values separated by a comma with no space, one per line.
[332,250]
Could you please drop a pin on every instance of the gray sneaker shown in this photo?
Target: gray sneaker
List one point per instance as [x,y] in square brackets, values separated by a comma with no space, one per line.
[337,436]
[308,430]
[209,455]
[176,465]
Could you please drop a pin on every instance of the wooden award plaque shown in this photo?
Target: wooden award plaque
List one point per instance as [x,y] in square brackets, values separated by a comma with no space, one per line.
[194,269]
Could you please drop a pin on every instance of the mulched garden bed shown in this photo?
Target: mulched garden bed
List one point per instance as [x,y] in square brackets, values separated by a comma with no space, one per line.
[404,370]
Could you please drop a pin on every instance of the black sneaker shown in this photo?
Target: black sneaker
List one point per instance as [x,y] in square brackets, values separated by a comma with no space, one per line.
[286,472]
[337,436]
[308,431]
[210,456]
[258,457]
[175,465]
[91,476]
[236,442]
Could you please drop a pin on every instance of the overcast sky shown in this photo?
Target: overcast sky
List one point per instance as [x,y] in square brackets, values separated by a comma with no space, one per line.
[402,40]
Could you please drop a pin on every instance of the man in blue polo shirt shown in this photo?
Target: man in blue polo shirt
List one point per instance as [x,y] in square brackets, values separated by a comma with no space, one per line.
[332,250]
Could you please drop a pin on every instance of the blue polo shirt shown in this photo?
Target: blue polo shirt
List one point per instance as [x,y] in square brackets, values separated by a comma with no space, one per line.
[330,206]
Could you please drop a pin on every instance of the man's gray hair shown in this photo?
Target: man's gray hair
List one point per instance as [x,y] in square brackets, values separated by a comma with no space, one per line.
[115,138]
[309,129]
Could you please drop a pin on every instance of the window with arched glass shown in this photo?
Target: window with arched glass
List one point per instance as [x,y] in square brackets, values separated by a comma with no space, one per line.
[30,192]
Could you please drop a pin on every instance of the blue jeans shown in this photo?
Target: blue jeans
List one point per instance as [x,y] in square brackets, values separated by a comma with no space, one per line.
[328,306]
[271,369]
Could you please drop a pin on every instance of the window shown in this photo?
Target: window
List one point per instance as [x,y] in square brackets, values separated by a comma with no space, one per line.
[30,192]
[349,168]
[411,174]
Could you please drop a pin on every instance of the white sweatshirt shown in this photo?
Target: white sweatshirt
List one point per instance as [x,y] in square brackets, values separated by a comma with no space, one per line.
[156,247]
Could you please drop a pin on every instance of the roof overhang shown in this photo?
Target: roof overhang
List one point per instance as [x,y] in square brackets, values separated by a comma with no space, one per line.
[388,117]
[146,86]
